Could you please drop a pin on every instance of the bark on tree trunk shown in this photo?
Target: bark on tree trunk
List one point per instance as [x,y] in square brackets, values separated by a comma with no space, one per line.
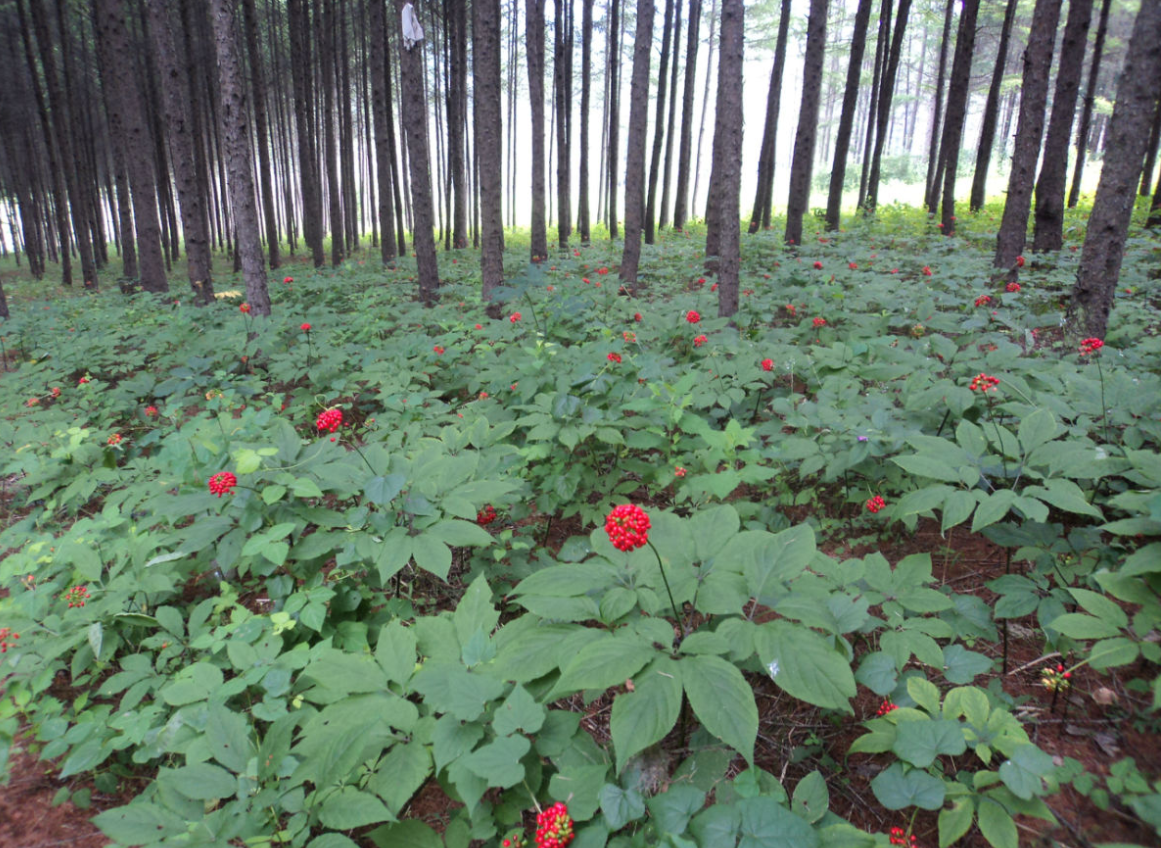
[300,65]
[847,116]
[886,94]
[419,162]
[175,89]
[728,153]
[802,165]
[326,10]
[1151,152]
[681,196]
[384,161]
[931,192]
[489,138]
[992,111]
[1048,233]
[130,133]
[882,45]
[257,77]
[667,171]
[1082,131]
[957,96]
[456,120]
[1029,130]
[236,139]
[764,196]
[1108,226]
[614,110]
[535,32]
[659,124]
[635,152]
[562,77]
[582,212]
[62,125]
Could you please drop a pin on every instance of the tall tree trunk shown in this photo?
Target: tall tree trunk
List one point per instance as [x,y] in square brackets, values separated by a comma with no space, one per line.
[882,45]
[842,144]
[457,119]
[381,97]
[886,94]
[130,133]
[326,9]
[704,102]
[562,77]
[667,171]
[931,192]
[257,77]
[1082,131]
[419,161]
[681,195]
[1029,131]
[957,97]
[763,198]
[635,152]
[535,35]
[489,140]
[126,237]
[728,154]
[582,212]
[236,138]
[300,66]
[62,125]
[56,171]
[1048,232]
[1108,226]
[175,89]
[1151,152]
[992,110]
[659,124]
[614,113]
[802,165]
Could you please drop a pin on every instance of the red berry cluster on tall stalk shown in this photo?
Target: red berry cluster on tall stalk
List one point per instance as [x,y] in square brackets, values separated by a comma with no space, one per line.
[628,527]
[76,596]
[876,503]
[983,384]
[486,515]
[329,420]
[554,827]
[1092,345]
[8,639]
[222,483]
[899,837]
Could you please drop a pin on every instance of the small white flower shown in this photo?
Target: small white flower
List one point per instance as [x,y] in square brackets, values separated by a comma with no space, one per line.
[773,668]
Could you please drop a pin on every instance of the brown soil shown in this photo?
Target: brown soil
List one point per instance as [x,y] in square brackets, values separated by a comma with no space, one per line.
[28,818]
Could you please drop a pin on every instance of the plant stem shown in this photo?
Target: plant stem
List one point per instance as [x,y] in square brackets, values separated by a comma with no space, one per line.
[668,591]
[1104,408]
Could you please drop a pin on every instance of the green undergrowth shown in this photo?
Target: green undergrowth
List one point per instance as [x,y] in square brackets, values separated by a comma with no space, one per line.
[427,592]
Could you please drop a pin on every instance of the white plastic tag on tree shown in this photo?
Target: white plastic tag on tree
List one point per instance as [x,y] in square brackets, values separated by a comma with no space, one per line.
[412,31]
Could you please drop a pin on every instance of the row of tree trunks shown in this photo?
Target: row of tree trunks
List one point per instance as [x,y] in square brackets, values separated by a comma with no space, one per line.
[764,197]
[1082,132]
[842,143]
[802,165]
[685,143]
[635,152]
[726,184]
[992,111]
[957,97]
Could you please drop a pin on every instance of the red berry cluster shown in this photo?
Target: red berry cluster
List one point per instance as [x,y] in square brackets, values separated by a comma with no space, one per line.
[1056,678]
[628,527]
[899,837]
[515,839]
[886,707]
[56,391]
[614,357]
[329,420]
[983,384]
[114,439]
[817,266]
[791,310]
[693,316]
[1012,287]
[305,328]
[983,300]
[244,308]
[698,341]
[820,322]
[486,515]
[876,503]
[767,364]
[554,827]
[222,483]
[8,639]
[514,317]
[76,596]
[439,350]
[629,336]
[151,412]
[1092,345]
